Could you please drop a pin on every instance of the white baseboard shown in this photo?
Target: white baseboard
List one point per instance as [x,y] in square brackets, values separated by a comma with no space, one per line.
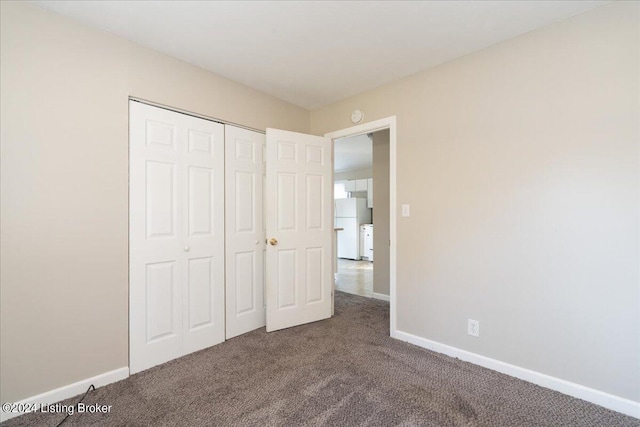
[609,401]
[70,390]
[382,297]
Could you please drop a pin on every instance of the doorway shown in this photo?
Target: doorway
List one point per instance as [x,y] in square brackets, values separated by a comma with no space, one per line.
[382,134]
[354,214]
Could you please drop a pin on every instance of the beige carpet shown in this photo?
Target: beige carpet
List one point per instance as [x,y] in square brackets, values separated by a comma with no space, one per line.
[344,371]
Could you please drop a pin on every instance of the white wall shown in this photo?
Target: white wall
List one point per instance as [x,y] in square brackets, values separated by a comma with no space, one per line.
[521,165]
[64,112]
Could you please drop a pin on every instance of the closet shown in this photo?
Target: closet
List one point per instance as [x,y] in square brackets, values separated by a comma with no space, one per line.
[204,198]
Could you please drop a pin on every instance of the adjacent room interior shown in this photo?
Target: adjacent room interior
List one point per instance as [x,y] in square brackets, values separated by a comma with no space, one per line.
[361,193]
[320,213]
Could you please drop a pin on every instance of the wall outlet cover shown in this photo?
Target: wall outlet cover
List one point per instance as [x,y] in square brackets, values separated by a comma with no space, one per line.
[473,328]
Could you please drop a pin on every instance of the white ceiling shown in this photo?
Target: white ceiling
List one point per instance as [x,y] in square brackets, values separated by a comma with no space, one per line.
[313,53]
[353,153]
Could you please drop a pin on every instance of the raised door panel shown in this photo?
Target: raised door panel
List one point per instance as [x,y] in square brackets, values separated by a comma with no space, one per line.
[162,313]
[315,202]
[160,135]
[246,286]
[201,142]
[161,201]
[245,201]
[201,182]
[286,276]
[199,292]
[287,198]
[244,181]
[315,272]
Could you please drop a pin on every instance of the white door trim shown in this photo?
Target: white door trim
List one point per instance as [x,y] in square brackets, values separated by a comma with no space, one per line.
[376,125]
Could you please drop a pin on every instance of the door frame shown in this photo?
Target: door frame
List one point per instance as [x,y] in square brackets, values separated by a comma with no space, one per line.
[370,127]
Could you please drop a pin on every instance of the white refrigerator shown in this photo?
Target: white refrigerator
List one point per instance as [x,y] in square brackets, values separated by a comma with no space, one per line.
[350,214]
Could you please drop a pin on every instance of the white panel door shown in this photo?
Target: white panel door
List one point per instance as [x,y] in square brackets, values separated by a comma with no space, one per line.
[299,228]
[176,240]
[244,178]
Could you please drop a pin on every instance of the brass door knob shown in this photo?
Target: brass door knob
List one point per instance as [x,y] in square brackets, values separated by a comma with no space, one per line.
[273,241]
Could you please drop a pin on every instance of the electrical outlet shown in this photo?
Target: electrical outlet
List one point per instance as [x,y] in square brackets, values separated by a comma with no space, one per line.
[473,328]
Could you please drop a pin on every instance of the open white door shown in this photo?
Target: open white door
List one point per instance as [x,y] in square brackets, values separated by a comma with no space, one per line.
[299,224]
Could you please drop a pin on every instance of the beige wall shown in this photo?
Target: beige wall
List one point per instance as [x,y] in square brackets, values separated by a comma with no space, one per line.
[521,165]
[381,230]
[64,114]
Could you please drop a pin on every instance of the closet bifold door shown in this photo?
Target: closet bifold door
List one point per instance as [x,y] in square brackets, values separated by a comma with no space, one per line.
[245,237]
[176,235]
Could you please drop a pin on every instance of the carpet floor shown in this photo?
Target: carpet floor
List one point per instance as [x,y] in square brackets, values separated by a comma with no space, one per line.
[345,371]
